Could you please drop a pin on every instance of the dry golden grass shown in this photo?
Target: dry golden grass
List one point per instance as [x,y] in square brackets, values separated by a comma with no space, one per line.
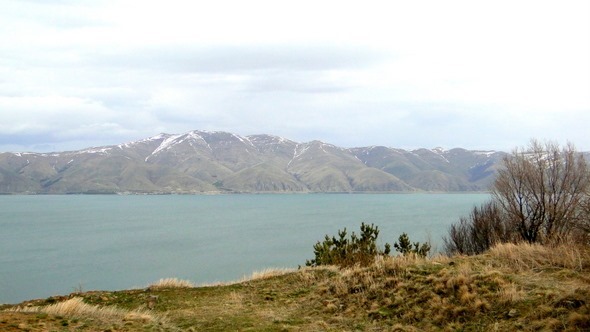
[512,287]
[268,273]
[171,283]
[256,275]
[309,276]
[455,293]
[76,308]
[510,293]
[236,299]
[526,256]
[398,263]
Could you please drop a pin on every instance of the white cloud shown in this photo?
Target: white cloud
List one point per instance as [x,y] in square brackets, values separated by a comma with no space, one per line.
[409,74]
[51,112]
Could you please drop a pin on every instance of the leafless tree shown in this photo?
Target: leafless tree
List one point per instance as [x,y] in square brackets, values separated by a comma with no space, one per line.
[584,223]
[541,195]
[542,190]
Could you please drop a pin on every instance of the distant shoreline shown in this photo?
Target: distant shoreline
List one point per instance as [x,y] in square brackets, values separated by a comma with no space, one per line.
[247,193]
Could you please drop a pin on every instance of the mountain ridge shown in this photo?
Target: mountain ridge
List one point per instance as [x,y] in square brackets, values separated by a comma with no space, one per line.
[222,162]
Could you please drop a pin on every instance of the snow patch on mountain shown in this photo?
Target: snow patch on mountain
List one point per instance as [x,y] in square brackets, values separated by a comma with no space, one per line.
[166,144]
[244,140]
[99,150]
[484,153]
[297,152]
[439,150]
[195,135]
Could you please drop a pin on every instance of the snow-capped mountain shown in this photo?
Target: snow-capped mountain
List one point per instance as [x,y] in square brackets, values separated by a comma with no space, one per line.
[209,162]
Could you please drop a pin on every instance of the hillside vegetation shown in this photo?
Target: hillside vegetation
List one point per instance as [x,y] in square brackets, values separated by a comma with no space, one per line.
[510,288]
[220,162]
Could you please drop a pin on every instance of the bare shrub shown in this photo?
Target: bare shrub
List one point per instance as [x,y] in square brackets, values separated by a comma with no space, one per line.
[541,195]
[542,189]
[477,233]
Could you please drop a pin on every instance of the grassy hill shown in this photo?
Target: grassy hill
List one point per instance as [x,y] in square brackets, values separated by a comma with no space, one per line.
[510,288]
[214,162]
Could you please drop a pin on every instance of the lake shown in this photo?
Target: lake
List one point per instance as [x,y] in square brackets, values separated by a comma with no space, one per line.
[56,244]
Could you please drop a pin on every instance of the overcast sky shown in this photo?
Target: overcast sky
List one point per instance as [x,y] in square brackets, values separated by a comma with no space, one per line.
[406,74]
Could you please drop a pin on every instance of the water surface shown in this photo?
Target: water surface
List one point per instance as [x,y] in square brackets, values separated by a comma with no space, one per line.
[53,245]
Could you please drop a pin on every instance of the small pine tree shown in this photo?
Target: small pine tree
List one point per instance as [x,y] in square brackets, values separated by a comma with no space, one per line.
[405,246]
[344,251]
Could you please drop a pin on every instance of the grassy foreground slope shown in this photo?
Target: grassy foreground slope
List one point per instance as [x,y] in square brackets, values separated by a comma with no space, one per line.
[510,288]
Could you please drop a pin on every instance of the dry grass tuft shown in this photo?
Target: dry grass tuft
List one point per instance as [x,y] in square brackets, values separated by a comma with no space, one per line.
[269,273]
[440,258]
[510,293]
[76,308]
[236,299]
[579,320]
[513,287]
[256,275]
[457,293]
[397,264]
[526,256]
[171,283]
[309,276]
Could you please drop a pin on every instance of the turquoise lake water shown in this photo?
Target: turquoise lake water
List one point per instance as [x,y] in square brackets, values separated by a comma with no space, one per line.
[52,245]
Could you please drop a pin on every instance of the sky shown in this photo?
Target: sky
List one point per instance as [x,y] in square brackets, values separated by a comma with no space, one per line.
[482,75]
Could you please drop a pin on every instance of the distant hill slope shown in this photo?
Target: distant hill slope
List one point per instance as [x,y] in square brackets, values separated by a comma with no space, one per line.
[209,162]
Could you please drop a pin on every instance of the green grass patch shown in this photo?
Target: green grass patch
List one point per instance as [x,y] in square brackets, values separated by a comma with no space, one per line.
[477,293]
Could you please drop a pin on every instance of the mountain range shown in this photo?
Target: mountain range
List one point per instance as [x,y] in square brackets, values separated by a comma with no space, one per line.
[219,162]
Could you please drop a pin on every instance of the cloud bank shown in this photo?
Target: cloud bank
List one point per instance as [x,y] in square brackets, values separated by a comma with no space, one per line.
[481,76]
